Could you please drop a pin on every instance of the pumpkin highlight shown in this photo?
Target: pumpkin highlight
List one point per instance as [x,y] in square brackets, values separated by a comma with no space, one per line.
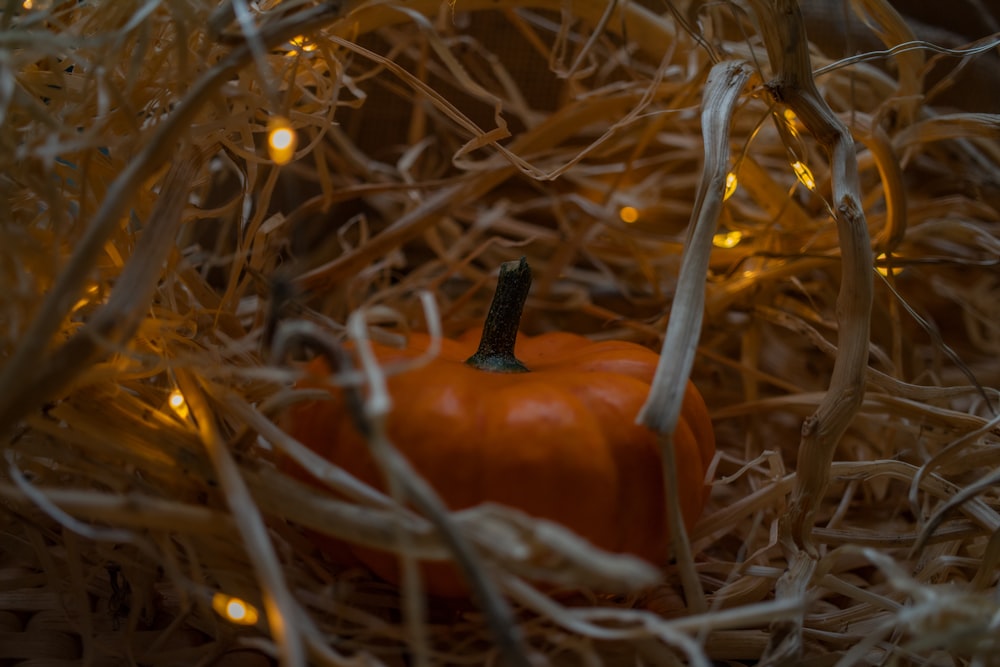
[557,440]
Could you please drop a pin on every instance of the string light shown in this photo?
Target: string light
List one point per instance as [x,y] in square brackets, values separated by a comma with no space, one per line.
[727,239]
[281,141]
[731,183]
[87,298]
[804,175]
[178,404]
[234,609]
[629,214]
[790,122]
[885,270]
[300,45]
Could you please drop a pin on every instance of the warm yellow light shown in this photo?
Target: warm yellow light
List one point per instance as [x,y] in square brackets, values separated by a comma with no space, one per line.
[790,121]
[281,141]
[804,175]
[234,610]
[300,43]
[281,138]
[727,239]
[629,214]
[87,297]
[884,270]
[178,404]
[731,183]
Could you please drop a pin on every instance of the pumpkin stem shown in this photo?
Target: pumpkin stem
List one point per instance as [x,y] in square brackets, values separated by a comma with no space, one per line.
[496,347]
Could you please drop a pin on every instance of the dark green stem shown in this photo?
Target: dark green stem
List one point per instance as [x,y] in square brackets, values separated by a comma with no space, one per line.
[496,347]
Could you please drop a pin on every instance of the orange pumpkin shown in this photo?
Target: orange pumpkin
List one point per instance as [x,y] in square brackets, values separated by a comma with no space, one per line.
[551,432]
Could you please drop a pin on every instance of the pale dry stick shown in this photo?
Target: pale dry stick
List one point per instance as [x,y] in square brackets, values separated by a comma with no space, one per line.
[20,388]
[648,626]
[406,483]
[661,411]
[933,613]
[766,496]
[976,509]
[313,510]
[544,550]
[989,566]
[785,38]
[757,613]
[962,497]
[368,415]
[283,614]
[59,515]
[133,510]
[632,625]
[947,453]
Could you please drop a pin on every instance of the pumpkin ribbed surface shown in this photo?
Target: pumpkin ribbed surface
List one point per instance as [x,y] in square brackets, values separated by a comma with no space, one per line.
[558,442]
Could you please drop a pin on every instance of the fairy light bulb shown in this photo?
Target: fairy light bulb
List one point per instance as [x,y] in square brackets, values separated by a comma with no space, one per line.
[804,174]
[791,121]
[178,404]
[88,297]
[234,609]
[731,183]
[281,141]
[300,45]
[629,214]
[885,270]
[727,239]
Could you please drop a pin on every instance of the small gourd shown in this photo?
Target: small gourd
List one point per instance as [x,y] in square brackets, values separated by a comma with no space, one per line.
[551,431]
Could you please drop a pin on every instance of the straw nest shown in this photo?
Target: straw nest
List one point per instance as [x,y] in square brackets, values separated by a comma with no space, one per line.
[838,311]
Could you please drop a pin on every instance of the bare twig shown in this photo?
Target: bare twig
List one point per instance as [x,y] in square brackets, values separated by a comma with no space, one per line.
[662,409]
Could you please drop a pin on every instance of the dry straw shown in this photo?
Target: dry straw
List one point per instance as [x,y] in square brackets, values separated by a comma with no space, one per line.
[824,235]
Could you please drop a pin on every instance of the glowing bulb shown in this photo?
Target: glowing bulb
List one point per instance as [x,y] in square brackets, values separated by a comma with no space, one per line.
[629,214]
[281,141]
[88,296]
[179,405]
[731,183]
[727,239]
[790,122]
[884,270]
[300,44]
[804,175]
[234,609]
